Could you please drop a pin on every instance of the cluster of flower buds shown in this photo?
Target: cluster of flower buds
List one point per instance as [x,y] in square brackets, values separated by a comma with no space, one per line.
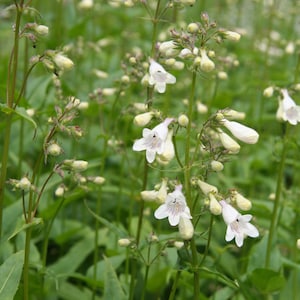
[22,184]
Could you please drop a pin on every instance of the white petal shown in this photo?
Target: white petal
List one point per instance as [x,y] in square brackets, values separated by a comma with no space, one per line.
[229,213]
[174,219]
[161,212]
[239,240]
[251,231]
[150,156]
[146,132]
[245,218]
[160,87]
[229,234]
[139,145]
[170,78]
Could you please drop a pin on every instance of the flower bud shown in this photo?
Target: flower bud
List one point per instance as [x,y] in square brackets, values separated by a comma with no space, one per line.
[108,91]
[30,112]
[187,2]
[206,64]
[290,48]
[143,119]
[125,79]
[298,243]
[214,205]
[268,92]
[85,4]
[241,202]
[193,28]
[206,188]
[168,49]
[201,108]
[124,242]
[169,151]
[178,244]
[183,120]
[232,35]
[216,166]
[24,184]
[149,195]
[162,192]
[186,228]
[241,132]
[76,165]
[59,192]
[184,53]
[41,29]
[231,114]
[63,62]
[222,75]
[99,180]
[178,65]
[100,73]
[228,143]
[83,105]
[54,149]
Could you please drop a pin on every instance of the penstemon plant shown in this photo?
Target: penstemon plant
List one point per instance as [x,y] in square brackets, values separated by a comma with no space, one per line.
[140,158]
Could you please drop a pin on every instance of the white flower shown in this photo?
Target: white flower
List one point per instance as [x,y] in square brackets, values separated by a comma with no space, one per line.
[238,225]
[149,195]
[153,141]
[232,35]
[174,208]
[186,228]
[41,29]
[214,205]
[288,110]
[241,132]
[159,77]
[85,4]
[163,191]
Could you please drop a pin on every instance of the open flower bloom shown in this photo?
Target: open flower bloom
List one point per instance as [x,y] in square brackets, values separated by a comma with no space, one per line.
[241,132]
[238,226]
[159,77]
[174,208]
[287,109]
[153,141]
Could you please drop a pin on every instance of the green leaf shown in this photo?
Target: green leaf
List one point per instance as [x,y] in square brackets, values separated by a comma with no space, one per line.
[111,226]
[10,274]
[115,261]
[19,111]
[112,286]
[266,280]
[23,226]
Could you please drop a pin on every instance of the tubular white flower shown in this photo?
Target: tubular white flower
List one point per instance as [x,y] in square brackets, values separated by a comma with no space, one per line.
[241,132]
[238,226]
[287,109]
[232,35]
[232,114]
[153,141]
[206,188]
[186,228]
[143,119]
[159,77]
[174,208]
[228,143]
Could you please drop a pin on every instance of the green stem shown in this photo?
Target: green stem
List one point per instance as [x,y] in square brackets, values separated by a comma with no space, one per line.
[274,220]
[155,21]
[187,178]
[26,264]
[10,92]
[174,286]
[208,239]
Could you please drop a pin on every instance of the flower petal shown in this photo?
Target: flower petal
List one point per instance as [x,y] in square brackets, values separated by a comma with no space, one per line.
[251,230]
[139,145]
[161,212]
[160,87]
[150,155]
[170,78]
[229,234]
[174,219]
[239,240]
